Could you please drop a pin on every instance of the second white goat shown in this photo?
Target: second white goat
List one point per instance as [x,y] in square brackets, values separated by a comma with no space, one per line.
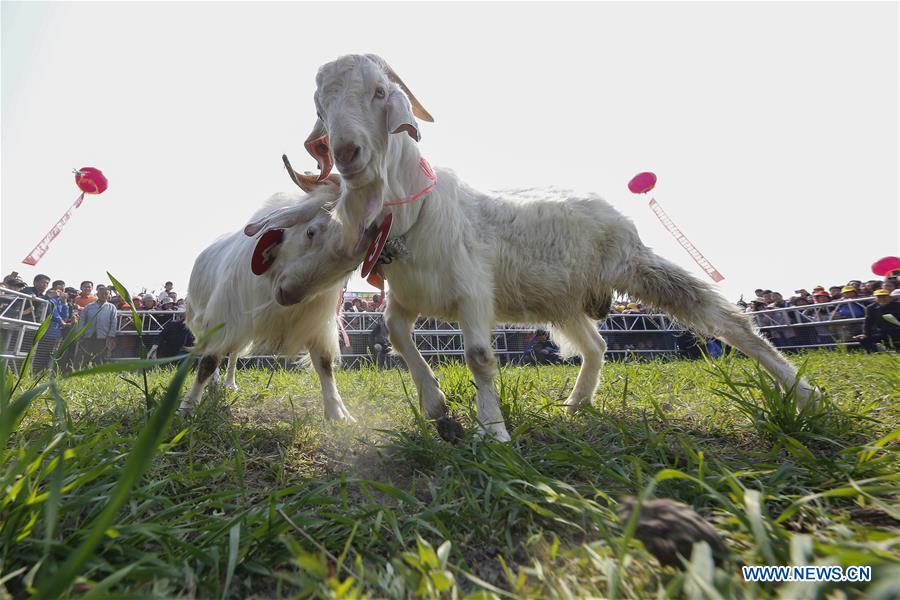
[223,290]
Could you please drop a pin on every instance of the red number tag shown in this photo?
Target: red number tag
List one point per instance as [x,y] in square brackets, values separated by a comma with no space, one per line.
[265,252]
[377,245]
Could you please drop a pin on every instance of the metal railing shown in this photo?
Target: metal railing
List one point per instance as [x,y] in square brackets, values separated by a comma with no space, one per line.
[20,317]
[626,335]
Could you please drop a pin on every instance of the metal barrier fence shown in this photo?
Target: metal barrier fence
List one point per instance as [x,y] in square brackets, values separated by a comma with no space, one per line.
[20,317]
[628,336]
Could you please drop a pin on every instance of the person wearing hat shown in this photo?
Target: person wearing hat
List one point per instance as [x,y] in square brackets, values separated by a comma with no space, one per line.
[165,292]
[848,310]
[148,302]
[882,324]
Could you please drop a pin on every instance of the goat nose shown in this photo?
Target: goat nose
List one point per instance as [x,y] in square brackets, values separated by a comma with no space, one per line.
[347,153]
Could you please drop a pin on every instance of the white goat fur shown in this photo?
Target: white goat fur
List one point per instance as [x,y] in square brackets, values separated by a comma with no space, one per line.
[481,259]
[223,290]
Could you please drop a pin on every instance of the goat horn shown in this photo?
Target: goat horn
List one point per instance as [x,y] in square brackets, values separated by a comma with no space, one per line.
[307,182]
[417,108]
[284,217]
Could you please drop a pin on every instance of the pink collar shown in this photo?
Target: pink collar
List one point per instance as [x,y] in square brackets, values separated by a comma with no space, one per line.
[432,181]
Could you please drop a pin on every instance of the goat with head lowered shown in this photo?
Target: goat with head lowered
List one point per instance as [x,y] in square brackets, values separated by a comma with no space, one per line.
[472,257]
[248,285]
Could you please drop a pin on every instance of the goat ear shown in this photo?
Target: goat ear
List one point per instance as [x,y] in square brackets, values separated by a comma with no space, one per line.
[317,145]
[417,107]
[266,251]
[399,117]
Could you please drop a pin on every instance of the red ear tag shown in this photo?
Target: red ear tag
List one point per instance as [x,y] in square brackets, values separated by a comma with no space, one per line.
[264,253]
[376,278]
[377,245]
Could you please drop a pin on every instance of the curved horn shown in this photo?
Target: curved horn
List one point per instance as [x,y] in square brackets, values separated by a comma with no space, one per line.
[417,108]
[317,145]
[307,181]
[285,217]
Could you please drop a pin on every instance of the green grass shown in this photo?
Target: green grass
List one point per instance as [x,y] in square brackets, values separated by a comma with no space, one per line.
[255,495]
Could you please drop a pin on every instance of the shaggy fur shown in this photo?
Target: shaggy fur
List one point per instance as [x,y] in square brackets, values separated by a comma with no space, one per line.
[222,289]
[534,256]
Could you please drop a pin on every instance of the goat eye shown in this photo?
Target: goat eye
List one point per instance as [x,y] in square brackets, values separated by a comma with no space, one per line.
[310,233]
[379,92]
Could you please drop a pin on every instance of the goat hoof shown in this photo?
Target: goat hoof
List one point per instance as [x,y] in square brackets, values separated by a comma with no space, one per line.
[496,432]
[339,413]
[449,429]
[574,403]
[232,386]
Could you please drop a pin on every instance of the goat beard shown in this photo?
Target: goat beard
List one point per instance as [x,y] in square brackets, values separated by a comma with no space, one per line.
[357,211]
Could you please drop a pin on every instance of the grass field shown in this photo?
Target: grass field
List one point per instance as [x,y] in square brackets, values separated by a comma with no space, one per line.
[256,495]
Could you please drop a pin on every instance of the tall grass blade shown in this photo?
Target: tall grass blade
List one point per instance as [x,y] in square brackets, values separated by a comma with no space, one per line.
[138,460]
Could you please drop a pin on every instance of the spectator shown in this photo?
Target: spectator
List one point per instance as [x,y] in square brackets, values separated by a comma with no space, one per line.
[39,289]
[870,287]
[174,338]
[379,344]
[819,314]
[856,284]
[757,304]
[14,283]
[168,303]
[377,301]
[889,284]
[180,305]
[137,302]
[882,324]
[541,351]
[58,310]
[86,296]
[120,303]
[835,293]
[358,305]
[848,310]
[163,295]
[348,307]
[148,302]
[99,336]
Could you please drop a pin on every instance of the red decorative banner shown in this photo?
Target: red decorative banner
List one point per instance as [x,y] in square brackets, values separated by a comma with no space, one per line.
[686,243]
[41,249]
[90,181]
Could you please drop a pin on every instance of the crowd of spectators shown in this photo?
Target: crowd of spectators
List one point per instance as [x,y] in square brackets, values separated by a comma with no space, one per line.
[877,301]
[93,309]
[360,304]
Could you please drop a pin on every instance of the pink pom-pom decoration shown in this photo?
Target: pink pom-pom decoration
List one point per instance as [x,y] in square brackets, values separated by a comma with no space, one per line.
[642,182]
[883,266]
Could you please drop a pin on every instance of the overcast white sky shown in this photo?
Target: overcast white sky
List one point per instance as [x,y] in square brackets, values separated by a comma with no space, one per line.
[773,127]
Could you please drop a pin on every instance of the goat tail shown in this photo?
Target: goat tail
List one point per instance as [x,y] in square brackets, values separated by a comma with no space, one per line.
[691,301]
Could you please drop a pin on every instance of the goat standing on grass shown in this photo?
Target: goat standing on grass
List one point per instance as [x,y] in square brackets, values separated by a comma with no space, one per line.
[223,290]
[469,258]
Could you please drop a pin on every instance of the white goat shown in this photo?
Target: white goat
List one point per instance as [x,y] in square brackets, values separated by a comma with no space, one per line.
[472,256]
[222,289]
